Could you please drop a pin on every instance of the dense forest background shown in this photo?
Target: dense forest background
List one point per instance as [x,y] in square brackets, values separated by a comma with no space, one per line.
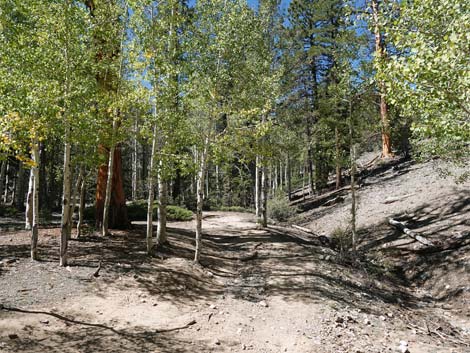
[220,105]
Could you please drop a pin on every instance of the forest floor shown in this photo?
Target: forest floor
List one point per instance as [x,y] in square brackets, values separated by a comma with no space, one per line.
[260,290]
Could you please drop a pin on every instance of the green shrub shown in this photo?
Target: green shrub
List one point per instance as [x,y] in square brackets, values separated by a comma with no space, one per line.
[341,239]
[234,209]
[137,211]
[280,210]
[177,213]
[8,211]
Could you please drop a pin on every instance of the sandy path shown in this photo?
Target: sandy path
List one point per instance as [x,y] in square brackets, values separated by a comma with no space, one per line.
[292,297]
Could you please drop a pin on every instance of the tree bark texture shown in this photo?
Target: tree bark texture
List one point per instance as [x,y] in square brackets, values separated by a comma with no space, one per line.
[117,210]
[200,198]
[29,202]
[3,171]
[66,200]
[109,184]
[151,193]
[380,53]
[35,201]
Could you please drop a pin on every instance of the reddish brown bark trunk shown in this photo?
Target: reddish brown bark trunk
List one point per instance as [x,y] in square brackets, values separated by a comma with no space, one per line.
[118,210]
[380,53]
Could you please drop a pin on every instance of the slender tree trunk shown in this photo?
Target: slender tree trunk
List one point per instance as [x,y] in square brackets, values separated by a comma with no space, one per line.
[162,203]
[264,196]
[353,178]
[200,198]
[338,158]
[81,207]
[257,187]
[288,177]
[217,183]
[66,198]
[35,201]
[135,159]
[3,171]
[19,199]
[44,203]
[107,200]
[303,181]
[7,182]
[29,202]
[151,192]
[380,53]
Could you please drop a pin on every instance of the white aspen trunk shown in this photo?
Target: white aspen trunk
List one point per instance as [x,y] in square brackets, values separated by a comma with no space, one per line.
[200,199]
[107,199]
[29,202]
[217,185]
[257,187]
[162,203]
[66,199]
[134,162]
[35,202]
[206,194]
[7,181]
[2,175]
[275,185]
[288,178]
[264,197]
[151,193]
[81,207]
[353,180]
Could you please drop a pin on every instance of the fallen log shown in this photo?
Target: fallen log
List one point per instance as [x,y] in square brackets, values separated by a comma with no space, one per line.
[324,240]
[303,229]
[401,226]
[396,198]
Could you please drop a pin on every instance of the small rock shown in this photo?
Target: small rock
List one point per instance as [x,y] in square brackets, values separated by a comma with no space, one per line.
[239,331]
[339,320]
[217,342]
[212,306]
[13,336]
[366,321]
[243,347]
[154,304]
[389,314]
[143,301]
[45,322]
[403,348]
[383,318]
[263,304]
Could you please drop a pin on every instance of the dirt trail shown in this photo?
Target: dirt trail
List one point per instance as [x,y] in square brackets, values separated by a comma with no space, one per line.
[273,290]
